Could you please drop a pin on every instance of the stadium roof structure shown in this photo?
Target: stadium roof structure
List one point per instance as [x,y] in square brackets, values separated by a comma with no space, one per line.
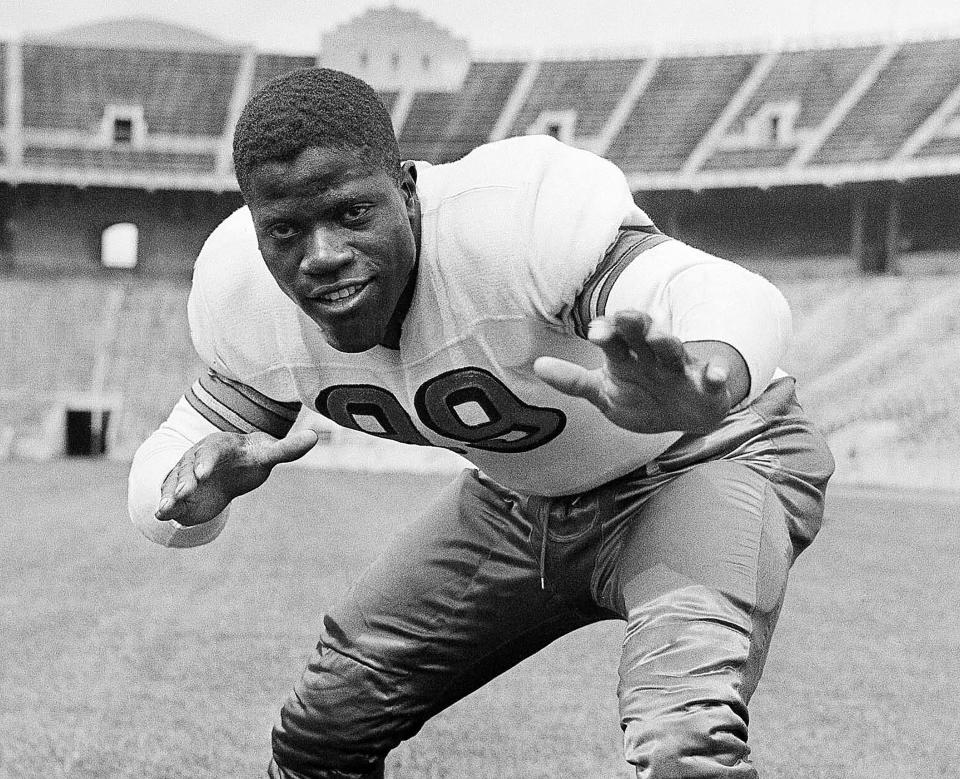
[115,104]
[133,31]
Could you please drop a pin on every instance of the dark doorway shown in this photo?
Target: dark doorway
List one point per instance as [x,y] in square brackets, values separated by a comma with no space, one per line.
[87,432]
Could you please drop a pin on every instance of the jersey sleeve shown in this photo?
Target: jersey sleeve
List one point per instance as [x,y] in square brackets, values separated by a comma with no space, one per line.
[233,406]
[698,297]
[591,302]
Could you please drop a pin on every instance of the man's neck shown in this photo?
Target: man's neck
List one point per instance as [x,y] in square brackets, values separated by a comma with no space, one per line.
[391,338]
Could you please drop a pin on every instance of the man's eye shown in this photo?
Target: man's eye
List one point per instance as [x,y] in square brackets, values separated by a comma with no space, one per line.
[355,213]
[281,231]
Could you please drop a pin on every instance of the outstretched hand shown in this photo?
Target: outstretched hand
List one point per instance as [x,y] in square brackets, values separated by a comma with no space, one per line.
[221,467]
[649,382]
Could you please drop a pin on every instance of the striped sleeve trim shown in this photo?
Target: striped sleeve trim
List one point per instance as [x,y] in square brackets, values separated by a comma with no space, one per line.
[237,408]
[592,300]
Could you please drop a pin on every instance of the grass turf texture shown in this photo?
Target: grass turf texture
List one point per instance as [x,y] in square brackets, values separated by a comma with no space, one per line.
[123,659]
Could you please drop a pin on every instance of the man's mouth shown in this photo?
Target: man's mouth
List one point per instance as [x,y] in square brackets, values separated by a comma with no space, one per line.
[341,294]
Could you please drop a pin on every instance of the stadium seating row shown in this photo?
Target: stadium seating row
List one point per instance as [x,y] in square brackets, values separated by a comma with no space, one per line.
[656,115]
[180,92]
[877,360]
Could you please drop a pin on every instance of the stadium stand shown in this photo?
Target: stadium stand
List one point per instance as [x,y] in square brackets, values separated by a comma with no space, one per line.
[877,362]
[270,66]
[150,357]
[915,82]
[944,144]
[42,346]
[879,369]
[682,101]
[181,92]
[388,99]
[786,161]
[44,356]
[486,89]
[813,80]
[134,351]
[592,88]
[842,320]
[3,81]
[122,158]
[420,137]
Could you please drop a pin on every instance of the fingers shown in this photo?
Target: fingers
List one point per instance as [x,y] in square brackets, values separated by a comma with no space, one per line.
[166,495]
[196,466]
[292,447]
[629,337]
[604,333]
[715,375]
[568,378]
[179,485]
[225,464]
[205,461]
[668,351]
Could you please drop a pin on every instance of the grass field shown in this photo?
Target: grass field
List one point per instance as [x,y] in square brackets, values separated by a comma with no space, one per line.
[123,659]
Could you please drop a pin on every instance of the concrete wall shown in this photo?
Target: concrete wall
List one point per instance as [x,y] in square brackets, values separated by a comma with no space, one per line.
[812,225]
[753,223]
[56,229]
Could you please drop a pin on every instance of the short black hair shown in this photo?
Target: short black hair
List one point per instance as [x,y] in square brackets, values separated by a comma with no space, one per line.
[313,107]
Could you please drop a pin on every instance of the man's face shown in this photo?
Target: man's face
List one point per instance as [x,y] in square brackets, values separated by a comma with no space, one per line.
[340,237]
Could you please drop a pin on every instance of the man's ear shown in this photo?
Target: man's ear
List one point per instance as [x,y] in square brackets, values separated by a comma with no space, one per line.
[408,174]
[408,181]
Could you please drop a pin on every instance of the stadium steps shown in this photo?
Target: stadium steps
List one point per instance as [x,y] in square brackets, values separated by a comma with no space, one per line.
[181,92]
[45,348]
[815,79]
[123,158]
[592,88]
[878,359]
[852,315]
[50,330]
[917,80]
[486,89]
[152,361]
[269,66]
[681,102]
[420,137]
[895,368]
[808,295]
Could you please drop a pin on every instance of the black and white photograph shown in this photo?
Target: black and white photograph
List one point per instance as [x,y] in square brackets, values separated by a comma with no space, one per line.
[405,389]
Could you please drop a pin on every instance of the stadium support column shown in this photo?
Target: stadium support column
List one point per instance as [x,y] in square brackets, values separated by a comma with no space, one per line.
[7,224]
[875,235]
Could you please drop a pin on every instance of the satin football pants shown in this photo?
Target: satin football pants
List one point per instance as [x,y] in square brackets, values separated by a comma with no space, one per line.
[692,553]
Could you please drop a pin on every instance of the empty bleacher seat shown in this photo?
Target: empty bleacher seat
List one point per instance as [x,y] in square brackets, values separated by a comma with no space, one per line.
[682,101]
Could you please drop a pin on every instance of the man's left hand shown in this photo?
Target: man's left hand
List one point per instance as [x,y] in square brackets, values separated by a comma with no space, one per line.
[650,381]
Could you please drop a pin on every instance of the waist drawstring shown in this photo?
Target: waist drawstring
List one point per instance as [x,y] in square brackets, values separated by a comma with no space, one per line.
[543,552]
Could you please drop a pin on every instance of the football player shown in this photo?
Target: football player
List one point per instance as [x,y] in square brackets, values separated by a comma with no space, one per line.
[639,456]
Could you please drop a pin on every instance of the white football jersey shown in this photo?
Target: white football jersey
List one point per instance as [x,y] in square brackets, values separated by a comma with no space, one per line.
[513,236]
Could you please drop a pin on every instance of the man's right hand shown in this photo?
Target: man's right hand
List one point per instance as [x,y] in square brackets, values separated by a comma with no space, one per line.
[222,466]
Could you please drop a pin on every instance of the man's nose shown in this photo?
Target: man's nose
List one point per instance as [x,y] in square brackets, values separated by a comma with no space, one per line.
[325,252]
